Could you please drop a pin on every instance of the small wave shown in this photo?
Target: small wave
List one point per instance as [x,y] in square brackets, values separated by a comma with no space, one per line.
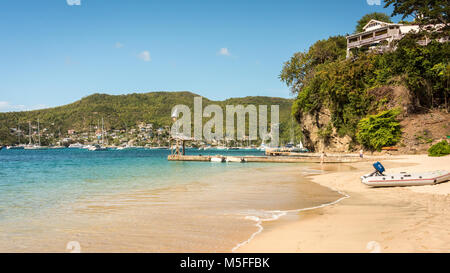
[266,216]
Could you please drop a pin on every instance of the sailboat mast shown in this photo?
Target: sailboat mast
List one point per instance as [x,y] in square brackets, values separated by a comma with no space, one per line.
[29,131]
[39,134]
[18,133]
[103,130]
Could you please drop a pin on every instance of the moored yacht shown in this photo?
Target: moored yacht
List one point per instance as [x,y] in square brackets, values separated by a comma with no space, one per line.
[76,146]
[31,146]
[18,147]
[35,147]
[97,147]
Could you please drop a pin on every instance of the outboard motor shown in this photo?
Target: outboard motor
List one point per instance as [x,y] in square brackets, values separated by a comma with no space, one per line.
[379,169]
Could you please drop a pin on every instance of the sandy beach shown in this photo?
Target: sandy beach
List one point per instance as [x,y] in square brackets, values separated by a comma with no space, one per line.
[410,219]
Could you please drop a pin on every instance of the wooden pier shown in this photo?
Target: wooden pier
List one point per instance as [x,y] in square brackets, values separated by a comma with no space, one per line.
[306,158]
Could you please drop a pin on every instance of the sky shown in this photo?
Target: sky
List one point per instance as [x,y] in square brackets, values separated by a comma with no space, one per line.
[54,52]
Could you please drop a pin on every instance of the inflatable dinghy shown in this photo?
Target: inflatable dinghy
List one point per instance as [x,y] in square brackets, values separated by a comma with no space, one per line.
[403,179]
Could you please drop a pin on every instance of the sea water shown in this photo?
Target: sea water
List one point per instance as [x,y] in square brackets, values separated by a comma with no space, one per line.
[137,201]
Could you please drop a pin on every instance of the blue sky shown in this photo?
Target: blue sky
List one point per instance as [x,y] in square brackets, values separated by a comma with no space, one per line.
[53,53]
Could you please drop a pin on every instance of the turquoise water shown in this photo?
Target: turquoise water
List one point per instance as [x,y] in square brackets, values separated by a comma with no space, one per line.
[136,200]
[34,180]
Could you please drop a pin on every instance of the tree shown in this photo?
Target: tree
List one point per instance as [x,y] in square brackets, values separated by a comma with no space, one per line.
[378,131]
[375,16]
[299,68]
[425,11]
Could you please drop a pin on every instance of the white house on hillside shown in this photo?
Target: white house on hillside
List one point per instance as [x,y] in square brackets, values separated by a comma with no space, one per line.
[379,35]
[376,32]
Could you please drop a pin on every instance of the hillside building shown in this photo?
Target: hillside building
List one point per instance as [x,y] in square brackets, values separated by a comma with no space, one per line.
[378,35]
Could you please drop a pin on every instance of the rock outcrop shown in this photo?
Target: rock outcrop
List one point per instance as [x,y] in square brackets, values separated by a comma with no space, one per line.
[420,129]
[313,126]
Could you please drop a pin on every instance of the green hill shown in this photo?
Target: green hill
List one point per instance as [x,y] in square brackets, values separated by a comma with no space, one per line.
[122,112]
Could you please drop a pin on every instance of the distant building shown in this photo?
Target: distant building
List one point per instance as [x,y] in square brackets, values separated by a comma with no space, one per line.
[143,127]
[378,35]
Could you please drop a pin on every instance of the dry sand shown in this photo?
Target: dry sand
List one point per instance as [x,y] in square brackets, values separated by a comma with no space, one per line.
[410,219]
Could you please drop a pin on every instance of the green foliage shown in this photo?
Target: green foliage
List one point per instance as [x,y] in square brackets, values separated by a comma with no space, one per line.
[440,149]
[343,85]
[121,112]
[372,16]
[378,131]
[424,69]
[340,86]
[6,138]
[431,11]
[296,71]
[323,79]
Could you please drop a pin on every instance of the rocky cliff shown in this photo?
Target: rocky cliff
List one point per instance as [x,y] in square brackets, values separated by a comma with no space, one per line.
[420,127]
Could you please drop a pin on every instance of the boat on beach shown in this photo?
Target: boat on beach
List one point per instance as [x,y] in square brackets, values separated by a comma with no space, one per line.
[403,179]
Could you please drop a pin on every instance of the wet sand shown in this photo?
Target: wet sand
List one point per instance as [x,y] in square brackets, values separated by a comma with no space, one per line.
[410,219]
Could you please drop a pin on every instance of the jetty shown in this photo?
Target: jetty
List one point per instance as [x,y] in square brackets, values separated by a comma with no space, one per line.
[303,158]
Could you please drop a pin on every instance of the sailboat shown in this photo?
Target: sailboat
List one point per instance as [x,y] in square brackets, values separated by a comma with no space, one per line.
[98,147]
[76,146]
[31,146]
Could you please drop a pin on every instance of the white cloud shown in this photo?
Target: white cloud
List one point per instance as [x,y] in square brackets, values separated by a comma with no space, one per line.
[119,45]
[73,2]
[8,107]
[224,51]
[374,2]
[145,56]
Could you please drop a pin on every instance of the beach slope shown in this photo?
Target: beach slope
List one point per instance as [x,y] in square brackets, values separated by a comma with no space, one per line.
[410,219]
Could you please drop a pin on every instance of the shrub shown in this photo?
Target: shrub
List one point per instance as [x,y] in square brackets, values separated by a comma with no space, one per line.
[378,131]
[440,149]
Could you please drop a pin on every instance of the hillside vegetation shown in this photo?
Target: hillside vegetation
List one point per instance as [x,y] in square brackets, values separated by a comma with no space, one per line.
[334,93]
[122,112]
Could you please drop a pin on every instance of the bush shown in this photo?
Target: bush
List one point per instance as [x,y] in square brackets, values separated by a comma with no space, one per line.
[378,131]
[440,149]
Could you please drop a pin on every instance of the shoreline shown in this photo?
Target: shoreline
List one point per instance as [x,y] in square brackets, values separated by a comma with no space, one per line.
[382,220]
[206,214]
[260,222]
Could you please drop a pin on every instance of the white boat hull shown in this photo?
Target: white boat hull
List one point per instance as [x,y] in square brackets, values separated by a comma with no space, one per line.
[235,159]
[35,148]
[217,159]
[14,147]
[406,179]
